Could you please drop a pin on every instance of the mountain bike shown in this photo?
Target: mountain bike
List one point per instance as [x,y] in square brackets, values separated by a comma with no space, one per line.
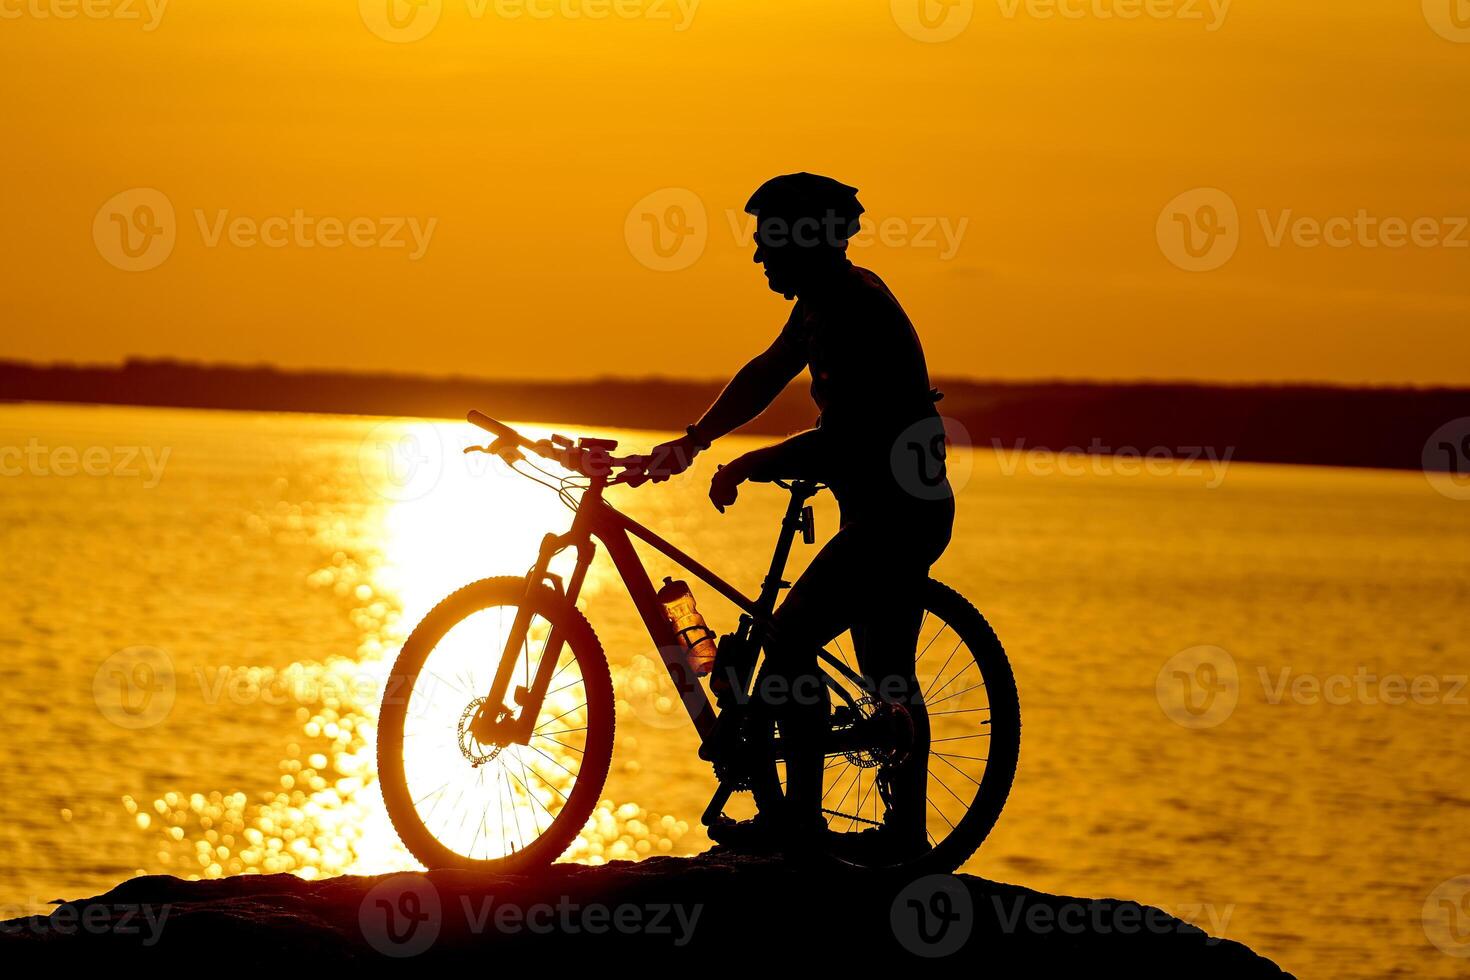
[497,724]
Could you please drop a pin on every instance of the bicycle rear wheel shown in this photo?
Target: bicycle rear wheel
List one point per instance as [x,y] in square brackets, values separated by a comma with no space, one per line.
[457,802]
[972,714]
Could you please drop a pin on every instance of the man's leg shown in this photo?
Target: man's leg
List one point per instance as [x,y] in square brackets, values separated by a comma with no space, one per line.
[885,645]
[819,607]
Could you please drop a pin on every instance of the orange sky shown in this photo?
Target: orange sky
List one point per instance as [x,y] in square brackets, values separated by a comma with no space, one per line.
[1021,168]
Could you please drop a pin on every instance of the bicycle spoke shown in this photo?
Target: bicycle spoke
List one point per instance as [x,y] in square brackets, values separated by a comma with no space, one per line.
[959,770]
[959,643]
[936,636]
[535,800]
[554,761]
[564,687]
[569,748]
[837,641]
[544,781]
[940,812]
[948,790]
[559,717]
[864,799]
[481,826]
[835,783]
[429,794]
[956,694]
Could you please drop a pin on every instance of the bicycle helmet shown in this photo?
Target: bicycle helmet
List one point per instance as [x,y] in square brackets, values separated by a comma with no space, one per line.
[802,197]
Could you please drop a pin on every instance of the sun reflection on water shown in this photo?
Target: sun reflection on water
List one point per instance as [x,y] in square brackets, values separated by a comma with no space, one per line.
[391,560]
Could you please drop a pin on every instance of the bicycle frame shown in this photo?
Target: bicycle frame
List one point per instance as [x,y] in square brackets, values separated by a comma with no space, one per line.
[597,519]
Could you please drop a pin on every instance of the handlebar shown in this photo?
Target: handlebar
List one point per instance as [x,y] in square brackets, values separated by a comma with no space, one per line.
[500,429]
[589,457]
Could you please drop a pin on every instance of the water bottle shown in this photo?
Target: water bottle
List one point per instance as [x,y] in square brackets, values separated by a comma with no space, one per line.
[697,639]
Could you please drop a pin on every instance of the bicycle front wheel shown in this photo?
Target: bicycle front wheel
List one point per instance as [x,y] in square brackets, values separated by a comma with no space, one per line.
[458,802]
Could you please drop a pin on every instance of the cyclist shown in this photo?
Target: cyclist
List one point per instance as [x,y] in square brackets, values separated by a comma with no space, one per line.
[878,444]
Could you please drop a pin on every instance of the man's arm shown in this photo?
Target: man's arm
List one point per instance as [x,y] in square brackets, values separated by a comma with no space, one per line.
[751,391]
[748,394]
[804,456]
[800,457]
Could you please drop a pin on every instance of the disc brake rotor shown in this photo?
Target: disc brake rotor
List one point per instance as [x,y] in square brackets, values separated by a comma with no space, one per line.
[470,747]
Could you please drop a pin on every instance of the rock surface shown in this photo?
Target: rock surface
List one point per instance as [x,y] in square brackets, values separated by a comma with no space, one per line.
[717,909]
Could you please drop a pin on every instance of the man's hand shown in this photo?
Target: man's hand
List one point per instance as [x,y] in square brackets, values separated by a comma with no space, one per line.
[664,460]
[725,486]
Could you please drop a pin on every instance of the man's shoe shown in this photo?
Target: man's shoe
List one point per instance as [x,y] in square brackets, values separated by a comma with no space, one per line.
[880,846]
[768,835]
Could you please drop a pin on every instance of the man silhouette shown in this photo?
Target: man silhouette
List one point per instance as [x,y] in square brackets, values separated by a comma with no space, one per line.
[871,386]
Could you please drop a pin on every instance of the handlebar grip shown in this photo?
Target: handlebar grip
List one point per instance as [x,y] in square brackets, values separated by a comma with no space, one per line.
[490,425]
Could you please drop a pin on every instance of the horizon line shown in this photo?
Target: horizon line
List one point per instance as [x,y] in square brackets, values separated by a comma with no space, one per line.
[424,376]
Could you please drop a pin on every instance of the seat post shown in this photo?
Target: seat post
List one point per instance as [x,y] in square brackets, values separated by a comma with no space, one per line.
[801,492]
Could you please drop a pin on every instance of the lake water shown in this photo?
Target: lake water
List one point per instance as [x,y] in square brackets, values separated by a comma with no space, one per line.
[1242,690]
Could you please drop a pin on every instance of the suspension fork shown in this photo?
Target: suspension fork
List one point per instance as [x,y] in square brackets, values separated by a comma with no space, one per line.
[495,721]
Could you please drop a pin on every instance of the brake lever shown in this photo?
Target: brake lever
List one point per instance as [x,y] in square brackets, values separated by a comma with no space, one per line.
[499,447]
